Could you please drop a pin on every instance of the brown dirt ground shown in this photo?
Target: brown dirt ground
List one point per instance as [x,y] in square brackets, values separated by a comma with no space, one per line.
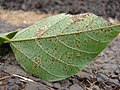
[102,74]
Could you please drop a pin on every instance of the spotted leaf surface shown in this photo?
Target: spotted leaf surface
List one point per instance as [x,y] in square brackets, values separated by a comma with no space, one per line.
[62,45]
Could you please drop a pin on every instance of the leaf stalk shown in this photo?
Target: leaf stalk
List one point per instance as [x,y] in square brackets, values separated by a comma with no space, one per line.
[7,39]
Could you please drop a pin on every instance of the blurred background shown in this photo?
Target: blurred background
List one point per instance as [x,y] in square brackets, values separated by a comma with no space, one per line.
[106,8]
[21,12]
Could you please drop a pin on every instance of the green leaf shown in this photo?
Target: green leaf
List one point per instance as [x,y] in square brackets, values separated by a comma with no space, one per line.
[1,39]
[7,36]
[62,45]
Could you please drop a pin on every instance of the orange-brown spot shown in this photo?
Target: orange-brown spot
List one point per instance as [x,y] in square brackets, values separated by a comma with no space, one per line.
[78,43]
[77,18]
[37,60]
[39,33]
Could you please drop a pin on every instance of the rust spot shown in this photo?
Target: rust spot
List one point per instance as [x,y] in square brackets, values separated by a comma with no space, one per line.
[96,33]
[45,27]
[77,18]
[55,48]
[37,60]
[78,43]
[62,32]
[105,30]
[78,54]
[39,33]
[71,62]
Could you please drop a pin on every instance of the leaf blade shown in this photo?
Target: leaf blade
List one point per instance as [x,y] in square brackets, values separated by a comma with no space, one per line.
[66,45]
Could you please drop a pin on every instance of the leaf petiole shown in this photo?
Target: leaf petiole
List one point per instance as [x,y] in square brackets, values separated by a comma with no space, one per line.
[7,39]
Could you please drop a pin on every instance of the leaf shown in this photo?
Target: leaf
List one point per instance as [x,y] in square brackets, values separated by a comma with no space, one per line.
[62,45]
[1,39]
[7,36]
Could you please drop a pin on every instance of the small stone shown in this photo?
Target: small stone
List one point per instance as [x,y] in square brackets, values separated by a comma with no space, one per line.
[11,88]
[17,87]
[11,82]
[50,88]
[19,83]
[47,83]
[65,88]
[100,80]
[82,74]
[11,57]
[65,83]
[33,86]
[103,77]
[114,81]
[42,87]
[114,76]
[75,80]
[119,78]
[76,87]
[57,85]
[1,83]
[95,88]
[5,57]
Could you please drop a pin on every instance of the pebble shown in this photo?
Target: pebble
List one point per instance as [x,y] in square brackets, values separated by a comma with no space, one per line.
[76,87]
[119,77]
[33,86]
[5,57]
[57,85]
[19,83]
[103,77]
[65,83]
[1,82]
[100,80]
[95,88]
[65,88]
[114,76]
[47,83]
[11,82]
[42,87]
[82,74]
[11,88]
[115,82]
[75,80]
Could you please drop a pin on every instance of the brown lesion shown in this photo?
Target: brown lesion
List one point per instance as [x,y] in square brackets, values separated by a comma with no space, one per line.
[37,60]
[80,17]
[78,44]
[40,32]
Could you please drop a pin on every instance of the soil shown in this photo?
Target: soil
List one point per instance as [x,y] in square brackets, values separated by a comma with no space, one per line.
[102,74]
[106,8]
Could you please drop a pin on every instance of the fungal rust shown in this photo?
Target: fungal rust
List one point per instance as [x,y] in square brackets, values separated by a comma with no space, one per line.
[77,18]
[39,33]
